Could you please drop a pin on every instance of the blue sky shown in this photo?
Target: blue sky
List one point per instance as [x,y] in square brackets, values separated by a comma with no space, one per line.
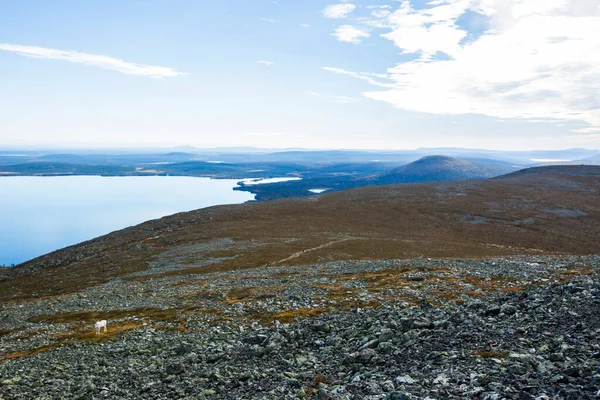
[380,74]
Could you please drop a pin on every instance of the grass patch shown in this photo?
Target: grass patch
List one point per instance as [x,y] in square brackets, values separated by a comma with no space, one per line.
[28,353]
[88,333]
[473,285]
[82,335]
[290,316]
[565,275]
[6,332]
[238,295]
[243,295]
[260,256]
[445,295]
[489,354]
[155,314]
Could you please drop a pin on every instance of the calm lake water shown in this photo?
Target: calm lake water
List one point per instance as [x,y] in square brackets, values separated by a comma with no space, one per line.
[42,214]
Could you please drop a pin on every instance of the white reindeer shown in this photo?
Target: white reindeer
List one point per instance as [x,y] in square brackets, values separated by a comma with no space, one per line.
[100,325]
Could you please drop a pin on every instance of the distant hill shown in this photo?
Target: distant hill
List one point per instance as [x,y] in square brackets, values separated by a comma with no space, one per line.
[591,160]
[520,157]
[338,177]
[573,171]
[437,169]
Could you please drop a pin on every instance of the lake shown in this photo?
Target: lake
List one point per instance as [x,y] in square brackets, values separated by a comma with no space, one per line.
[42,214]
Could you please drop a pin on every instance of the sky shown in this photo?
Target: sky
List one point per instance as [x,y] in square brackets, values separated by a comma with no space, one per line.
[354,74]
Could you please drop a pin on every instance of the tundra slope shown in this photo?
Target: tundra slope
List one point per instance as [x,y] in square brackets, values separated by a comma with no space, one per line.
[546,210]
[191,299]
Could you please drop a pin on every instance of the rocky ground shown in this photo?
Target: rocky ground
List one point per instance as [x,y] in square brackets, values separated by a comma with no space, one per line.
[521,327]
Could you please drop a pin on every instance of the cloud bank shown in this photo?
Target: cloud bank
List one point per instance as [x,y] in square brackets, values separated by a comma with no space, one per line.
[528,59]
[337,11]
[95,60]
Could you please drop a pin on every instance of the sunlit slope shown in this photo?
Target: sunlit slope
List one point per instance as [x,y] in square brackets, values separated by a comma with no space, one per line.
[540,210]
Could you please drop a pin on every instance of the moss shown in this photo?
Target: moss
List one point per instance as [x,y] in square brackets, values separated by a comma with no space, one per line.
[290,316]
[320,379]
[6,332]
[28,353]
[155,314]
[114,329]
[489,354]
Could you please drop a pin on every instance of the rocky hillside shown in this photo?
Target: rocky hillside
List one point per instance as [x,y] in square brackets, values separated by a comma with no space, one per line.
[450,290]
[505,328]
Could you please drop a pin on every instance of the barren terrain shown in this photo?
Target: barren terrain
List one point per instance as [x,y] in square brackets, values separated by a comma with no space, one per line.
[470,277]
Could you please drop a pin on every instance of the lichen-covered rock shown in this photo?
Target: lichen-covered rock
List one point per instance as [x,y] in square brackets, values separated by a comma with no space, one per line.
[537,342]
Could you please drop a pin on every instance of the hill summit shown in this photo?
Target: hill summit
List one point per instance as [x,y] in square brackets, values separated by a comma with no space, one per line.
[437,168]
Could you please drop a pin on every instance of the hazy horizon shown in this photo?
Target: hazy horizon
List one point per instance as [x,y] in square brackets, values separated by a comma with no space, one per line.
[251,149]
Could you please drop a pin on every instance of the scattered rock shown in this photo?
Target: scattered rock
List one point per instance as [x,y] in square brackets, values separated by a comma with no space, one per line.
[543,342]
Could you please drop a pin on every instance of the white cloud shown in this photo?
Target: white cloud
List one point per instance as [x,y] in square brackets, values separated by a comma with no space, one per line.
[371,78]
[339,10]
[427,31]
[334,98]
[305,25]
[264,62]
[350,34]
[380,11]
[528,59]
[105,62]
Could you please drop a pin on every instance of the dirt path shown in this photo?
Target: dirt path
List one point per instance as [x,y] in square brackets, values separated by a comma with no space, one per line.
[301,252]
